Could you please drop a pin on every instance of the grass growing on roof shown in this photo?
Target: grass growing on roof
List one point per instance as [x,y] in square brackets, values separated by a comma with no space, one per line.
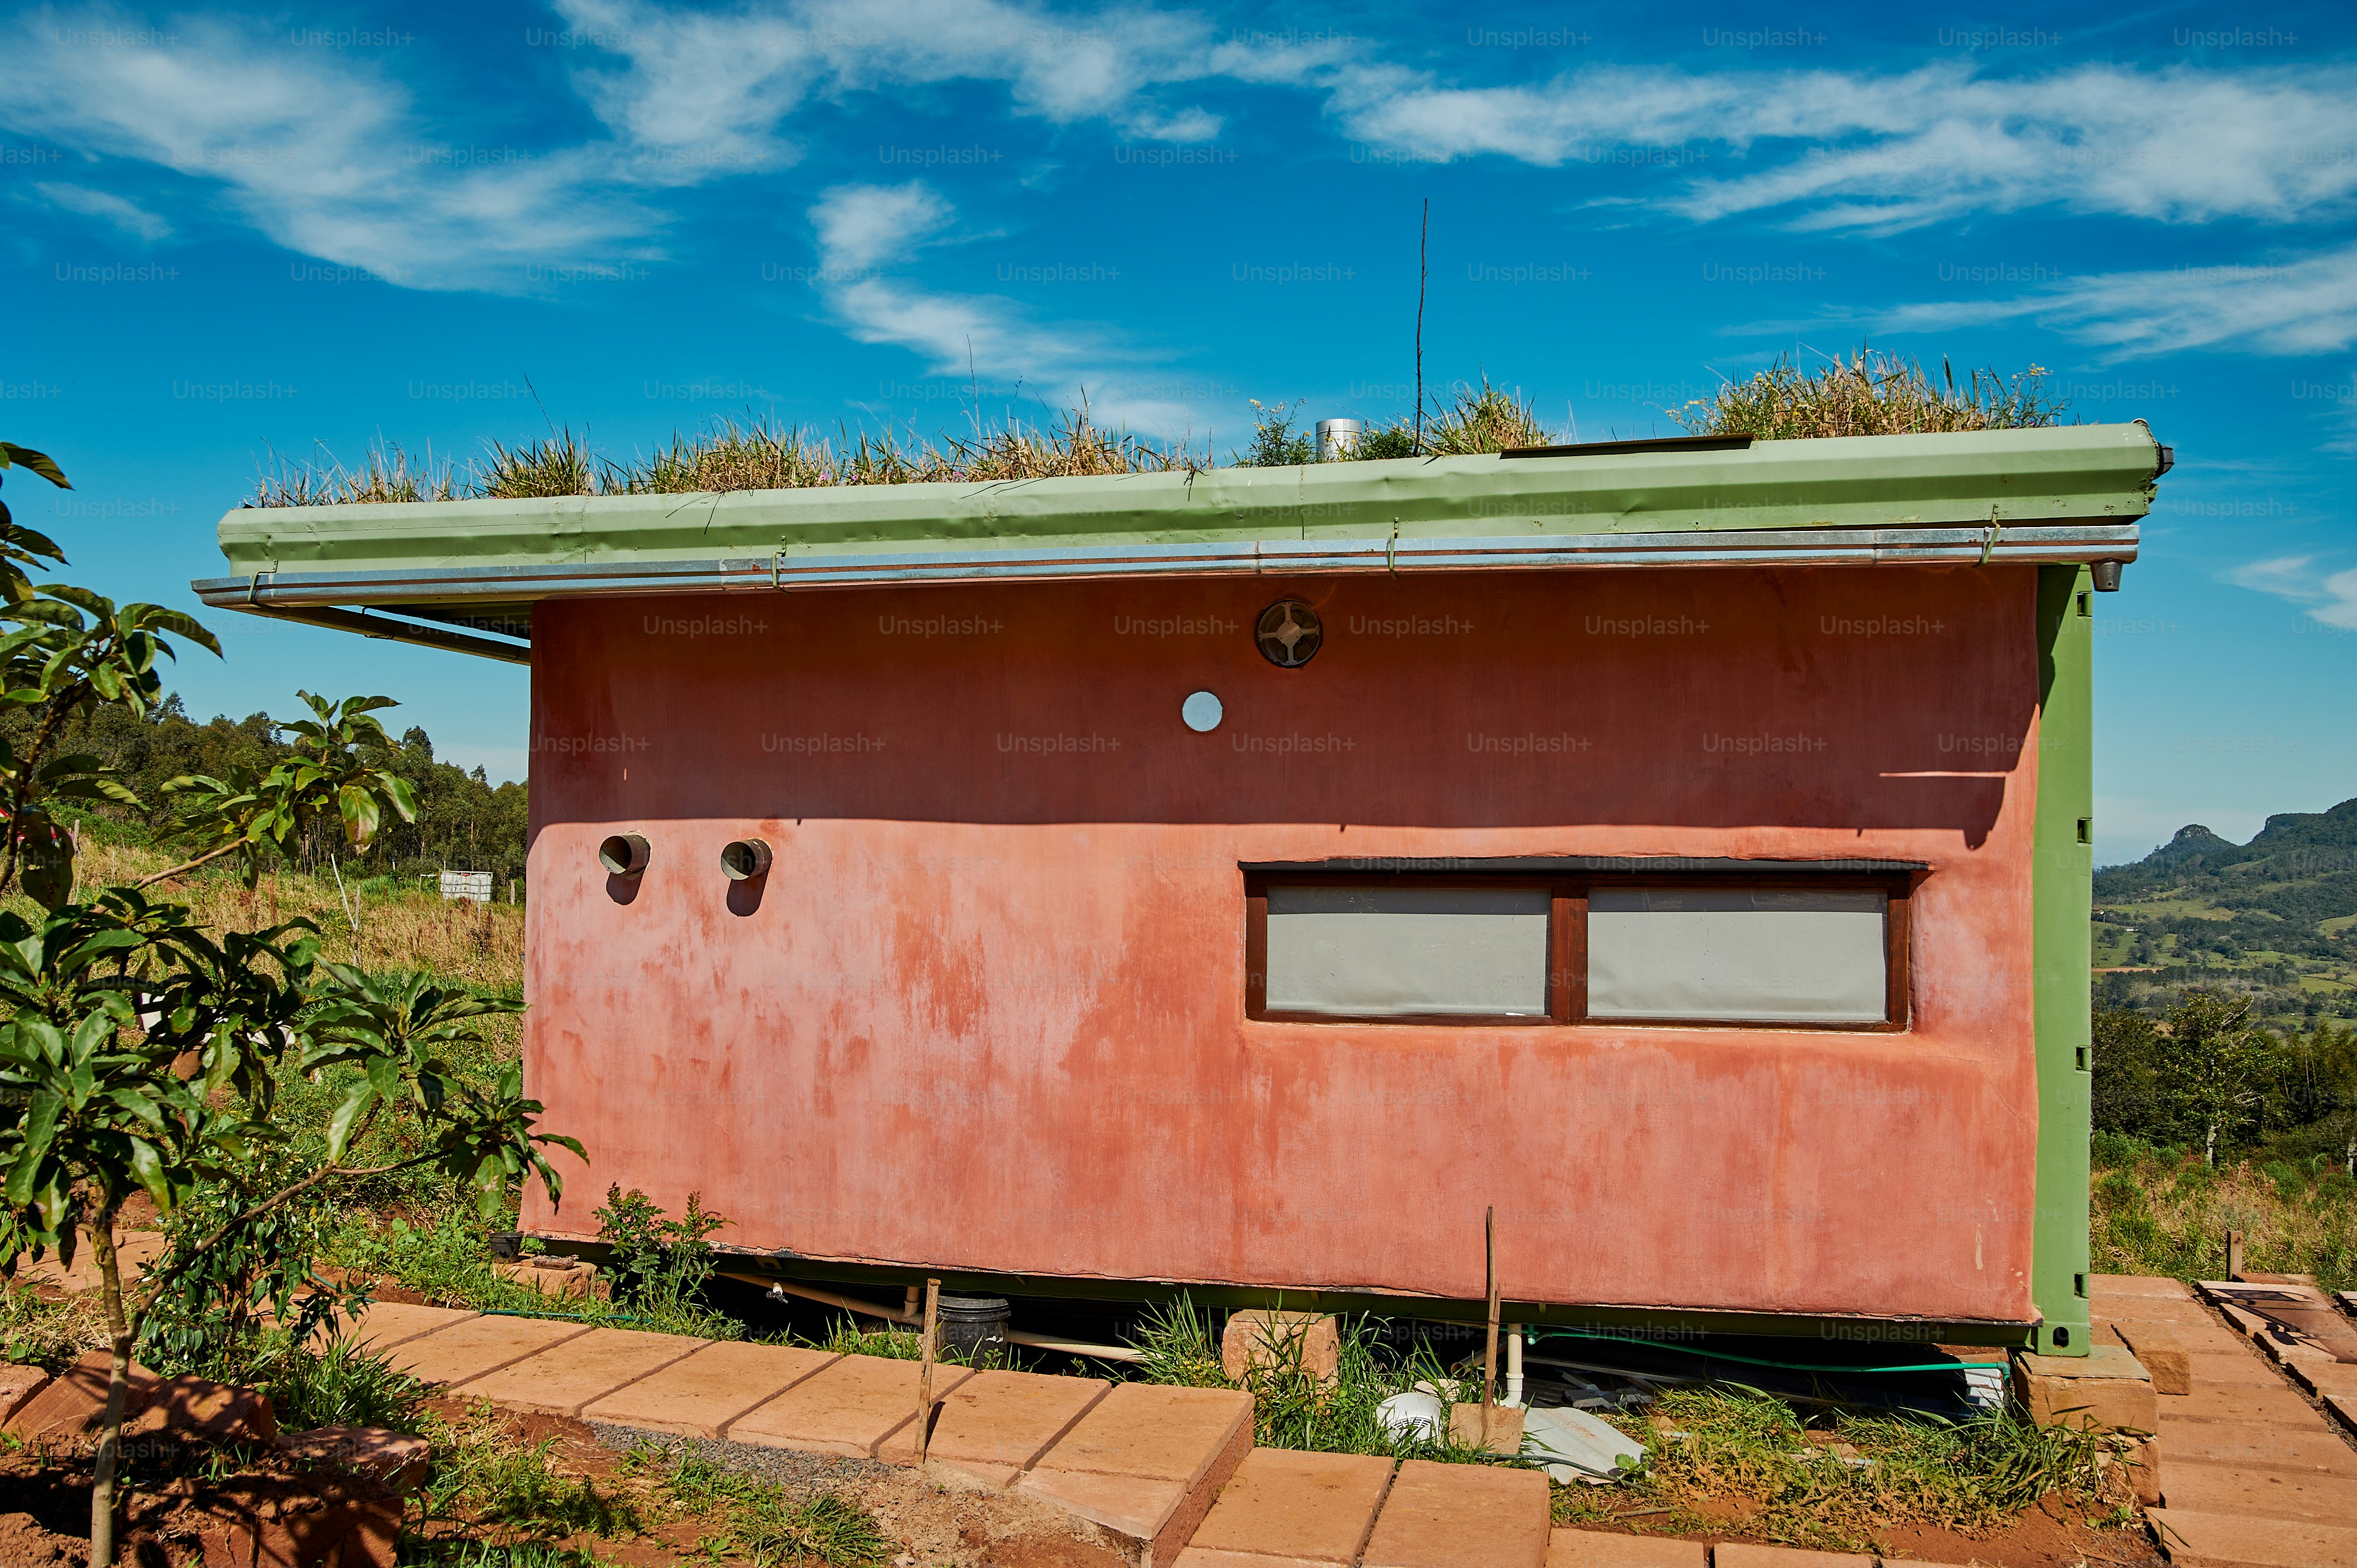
[1871,393]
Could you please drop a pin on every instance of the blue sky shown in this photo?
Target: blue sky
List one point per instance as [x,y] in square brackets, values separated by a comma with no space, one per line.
[230,234]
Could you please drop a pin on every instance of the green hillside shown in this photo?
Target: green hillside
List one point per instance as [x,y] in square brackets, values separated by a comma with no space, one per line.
[2275,918]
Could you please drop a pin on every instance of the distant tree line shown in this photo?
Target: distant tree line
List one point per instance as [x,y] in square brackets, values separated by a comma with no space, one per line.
[2207,1078]
[463,821]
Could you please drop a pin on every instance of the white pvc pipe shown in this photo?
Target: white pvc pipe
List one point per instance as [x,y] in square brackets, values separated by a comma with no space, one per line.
[1515,1364]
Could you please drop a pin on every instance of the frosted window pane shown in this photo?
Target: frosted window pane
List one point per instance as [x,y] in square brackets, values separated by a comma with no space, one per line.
[1794,956]
[1387,951]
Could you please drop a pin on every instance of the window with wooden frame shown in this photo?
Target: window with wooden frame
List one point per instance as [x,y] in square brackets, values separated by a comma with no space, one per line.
[1785,946]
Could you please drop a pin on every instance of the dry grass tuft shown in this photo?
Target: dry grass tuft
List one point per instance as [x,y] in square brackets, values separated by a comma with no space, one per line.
[479,945]
[2151,1214]
[385,474]
[1871,393]
[1483,419]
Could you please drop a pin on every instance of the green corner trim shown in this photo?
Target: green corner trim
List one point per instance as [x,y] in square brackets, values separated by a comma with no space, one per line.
[2061,895]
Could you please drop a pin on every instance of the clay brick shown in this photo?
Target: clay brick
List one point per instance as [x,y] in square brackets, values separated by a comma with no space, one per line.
[699,1395]
[198,1407]
[2106,1389]
[1285,1508]
[19,1384]
[2323,1378]
[2267,1494]
[465,1351]
[73,1402]
[385,1324]
[850,1406]
[1730,1555]
[1440,1516]
[1263,1338]
[995,1425]
[1597,1549]
[397,1459]
[2305,1447]
[565,1377]
[2237,1368]
[1505,1428]
[2240,1404]
[2343,1408]
[2196,1540]
[2160,1353]
[2143,1466]
[2101,1285]
[1147,1461]
[567,1279]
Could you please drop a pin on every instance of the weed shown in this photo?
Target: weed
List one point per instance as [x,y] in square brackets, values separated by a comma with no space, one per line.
[1835,1482]
[343,1385]
[1483,419]
[490,1554]
[481,1475]
[1291,1407]
[1871,393]
[758,1520]
[1275,444]
[49,1333]
[656,1261]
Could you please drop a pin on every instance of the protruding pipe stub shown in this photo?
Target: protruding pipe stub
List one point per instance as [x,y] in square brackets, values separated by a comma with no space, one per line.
[623,854]
[2106,574]
[745,859]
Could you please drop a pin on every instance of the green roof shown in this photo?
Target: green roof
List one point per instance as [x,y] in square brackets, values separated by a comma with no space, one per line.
[413,569]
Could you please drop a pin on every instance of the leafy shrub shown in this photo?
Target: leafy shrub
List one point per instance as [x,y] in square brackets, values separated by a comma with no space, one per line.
[656,1263]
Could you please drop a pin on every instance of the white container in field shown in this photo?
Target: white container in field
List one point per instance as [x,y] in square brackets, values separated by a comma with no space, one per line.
[474,884]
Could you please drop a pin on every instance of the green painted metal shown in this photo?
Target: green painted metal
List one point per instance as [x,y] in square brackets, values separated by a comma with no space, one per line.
[2091,473]
[2061,895]
[1667,1324]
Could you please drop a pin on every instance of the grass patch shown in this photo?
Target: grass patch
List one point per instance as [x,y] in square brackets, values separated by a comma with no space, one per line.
[1832,1482]
[345,1384]
[49,1334]
[755,1520]
[1871,393]
[482,1476]
[495,1555]
[1292,1409]
[2160,1211]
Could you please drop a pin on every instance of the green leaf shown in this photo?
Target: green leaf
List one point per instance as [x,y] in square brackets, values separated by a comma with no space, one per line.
[40,1129]
[359,813]
[347,1117]
[147,1170]
[39,462]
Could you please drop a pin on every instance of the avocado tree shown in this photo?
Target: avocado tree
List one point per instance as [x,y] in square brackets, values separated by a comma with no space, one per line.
[141,1051]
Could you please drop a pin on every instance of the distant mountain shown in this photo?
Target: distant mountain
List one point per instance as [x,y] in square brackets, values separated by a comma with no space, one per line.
[2301,868]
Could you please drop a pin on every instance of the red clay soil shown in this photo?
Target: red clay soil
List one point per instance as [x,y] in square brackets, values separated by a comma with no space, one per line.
[45,1509]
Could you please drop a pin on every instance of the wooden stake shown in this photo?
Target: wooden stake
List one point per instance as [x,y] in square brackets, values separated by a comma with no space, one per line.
[1489,1346]
[2233,1254]
[925,1367]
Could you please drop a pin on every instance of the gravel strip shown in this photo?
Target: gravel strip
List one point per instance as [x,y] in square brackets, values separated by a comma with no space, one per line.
[803,1472]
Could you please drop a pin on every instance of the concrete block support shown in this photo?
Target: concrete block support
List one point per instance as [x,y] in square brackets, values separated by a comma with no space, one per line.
[2107,1390]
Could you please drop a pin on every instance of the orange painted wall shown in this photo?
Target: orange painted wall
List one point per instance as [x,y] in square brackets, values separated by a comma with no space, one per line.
[986,1011]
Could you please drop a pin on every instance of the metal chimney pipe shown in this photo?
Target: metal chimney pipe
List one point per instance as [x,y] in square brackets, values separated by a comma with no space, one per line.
[1337,438]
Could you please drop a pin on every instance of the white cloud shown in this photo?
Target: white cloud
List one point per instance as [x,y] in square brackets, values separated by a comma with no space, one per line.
[2329,598]
[861,225]
[728,81]
[862,229]
[1879,152]
[2304,305]
[321,153]
[128,216]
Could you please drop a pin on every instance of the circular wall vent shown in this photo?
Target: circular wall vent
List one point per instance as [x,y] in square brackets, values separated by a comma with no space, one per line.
[624,855]
[1289,634]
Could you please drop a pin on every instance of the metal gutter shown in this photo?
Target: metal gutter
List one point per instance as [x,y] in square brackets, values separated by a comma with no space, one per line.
[2038,543]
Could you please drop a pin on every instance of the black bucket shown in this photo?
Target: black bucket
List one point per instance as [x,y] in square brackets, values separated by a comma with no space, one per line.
[973,1325]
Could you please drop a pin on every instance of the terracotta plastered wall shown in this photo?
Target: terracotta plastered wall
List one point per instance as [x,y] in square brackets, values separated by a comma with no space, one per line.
[987,1009]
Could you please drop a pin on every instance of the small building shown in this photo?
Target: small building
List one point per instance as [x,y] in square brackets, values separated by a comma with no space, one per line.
[1249,880]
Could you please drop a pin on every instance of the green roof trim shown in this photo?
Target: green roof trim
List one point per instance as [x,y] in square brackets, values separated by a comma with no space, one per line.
[2053,495]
